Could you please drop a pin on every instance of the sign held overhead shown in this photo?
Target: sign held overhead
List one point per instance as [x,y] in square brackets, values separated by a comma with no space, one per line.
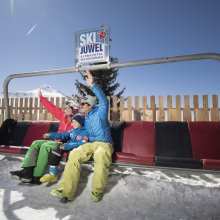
[92,46]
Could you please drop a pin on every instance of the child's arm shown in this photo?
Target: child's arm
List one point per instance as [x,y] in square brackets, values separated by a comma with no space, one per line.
[63,136]
[82,138]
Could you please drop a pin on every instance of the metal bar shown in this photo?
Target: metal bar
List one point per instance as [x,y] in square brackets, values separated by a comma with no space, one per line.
[214,56]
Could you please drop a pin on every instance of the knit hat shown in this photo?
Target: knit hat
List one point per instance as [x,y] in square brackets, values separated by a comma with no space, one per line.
[90,100]
[79,118]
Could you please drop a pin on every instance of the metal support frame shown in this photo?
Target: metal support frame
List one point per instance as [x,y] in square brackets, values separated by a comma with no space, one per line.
[190,57]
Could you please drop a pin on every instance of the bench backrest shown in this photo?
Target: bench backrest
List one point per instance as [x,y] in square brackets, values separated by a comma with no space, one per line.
[139,138]
[172,140]
[205,139]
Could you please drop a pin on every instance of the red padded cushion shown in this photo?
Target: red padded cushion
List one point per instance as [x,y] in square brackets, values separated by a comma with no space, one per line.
[10,149]
[131,158]
[138,143]
[210,164]
[205,139]
[36,131]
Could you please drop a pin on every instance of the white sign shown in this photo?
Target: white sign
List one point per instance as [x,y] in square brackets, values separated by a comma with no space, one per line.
[92,46]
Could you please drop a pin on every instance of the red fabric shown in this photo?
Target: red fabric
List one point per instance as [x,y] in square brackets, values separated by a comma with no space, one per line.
[131,158]
[58,113]
[36,131]
[139,138]
[205,139]
[138,143]
[210,164]
[10,149]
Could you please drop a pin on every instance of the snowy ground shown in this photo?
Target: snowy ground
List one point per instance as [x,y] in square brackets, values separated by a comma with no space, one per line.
[131,194]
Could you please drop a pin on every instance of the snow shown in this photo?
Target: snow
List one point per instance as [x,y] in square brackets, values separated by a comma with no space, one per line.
[46,90]
[131,193]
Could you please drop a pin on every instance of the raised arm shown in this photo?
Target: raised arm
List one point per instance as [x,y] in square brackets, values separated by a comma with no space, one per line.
[100,95]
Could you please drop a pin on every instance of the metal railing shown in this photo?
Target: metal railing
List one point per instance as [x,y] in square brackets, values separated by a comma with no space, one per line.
[191,57]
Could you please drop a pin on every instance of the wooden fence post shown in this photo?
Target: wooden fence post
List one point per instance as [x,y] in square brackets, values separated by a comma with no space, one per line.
[161,111]
[214,110]
[187,114]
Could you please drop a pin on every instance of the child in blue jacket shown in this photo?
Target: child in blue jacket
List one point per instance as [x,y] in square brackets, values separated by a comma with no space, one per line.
[73,138]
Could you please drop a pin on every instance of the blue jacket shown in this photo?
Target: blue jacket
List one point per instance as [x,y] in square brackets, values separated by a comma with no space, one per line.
[96,121]
[74,137]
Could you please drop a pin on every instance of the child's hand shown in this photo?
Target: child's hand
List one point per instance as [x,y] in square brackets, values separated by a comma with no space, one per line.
[89,78]
[39,93]
[46,136]
[62,147]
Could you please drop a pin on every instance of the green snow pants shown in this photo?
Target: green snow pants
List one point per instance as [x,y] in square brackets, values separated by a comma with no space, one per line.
[38,154]
[102,154]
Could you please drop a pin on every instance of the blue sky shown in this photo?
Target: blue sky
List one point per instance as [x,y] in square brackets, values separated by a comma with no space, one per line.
[39,35]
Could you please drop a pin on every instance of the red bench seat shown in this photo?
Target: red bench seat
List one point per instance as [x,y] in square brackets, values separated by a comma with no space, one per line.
[138,143]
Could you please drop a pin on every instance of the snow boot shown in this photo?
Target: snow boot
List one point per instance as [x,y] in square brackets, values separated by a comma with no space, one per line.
[47,178]
[25,175]
[35,180]
[51,176]
[95,196]
[56,193]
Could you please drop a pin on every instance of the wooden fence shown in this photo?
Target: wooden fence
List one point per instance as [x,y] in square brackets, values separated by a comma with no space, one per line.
[128,109]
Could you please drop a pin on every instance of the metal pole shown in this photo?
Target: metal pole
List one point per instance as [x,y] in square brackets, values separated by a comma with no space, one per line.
[214,56]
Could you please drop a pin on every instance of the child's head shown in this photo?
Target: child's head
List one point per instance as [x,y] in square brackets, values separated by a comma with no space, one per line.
[78,120]
[71,107]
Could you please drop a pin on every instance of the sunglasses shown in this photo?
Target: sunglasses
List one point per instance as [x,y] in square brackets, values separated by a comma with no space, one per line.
[83,103]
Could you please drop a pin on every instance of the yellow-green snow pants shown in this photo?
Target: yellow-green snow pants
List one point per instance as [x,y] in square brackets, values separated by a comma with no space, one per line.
[102,154]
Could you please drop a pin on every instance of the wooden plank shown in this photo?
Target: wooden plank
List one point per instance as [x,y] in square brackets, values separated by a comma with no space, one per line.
[137,115]
[16,108]
[129,105]
[2,108]
[63,102]
[114,109]
[215,101]
[41,116]
[161,111]
[31,107]
[1,119]
[25,105]
[11,107]
[21,106]
[187,113]
[195,106]
[215,109]
[149,115]
[125,115]
[1,111]
[153,107]
[35,109]
[205,108]
[47,115]
[198,114]
[121,107]
[201,114]
[174,114]
[1,116]
[26,116]
[214,114]
[144,106]
[169,102]
[178,108]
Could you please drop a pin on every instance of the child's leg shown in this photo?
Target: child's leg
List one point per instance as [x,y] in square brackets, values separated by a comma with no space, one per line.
[43,156]
[54,161]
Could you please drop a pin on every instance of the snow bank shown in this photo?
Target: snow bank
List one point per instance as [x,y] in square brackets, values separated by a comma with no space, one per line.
[131,193]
